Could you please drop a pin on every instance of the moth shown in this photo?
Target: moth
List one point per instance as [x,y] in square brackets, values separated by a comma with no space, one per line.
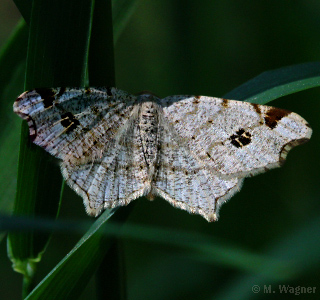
[193,151]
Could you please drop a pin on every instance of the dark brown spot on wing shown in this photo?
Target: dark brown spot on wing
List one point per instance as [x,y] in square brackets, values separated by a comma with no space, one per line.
[32,128]
[19,98]
[196,99]
[256,108]
[47,95]
[69,121]
[274,115]
[241,138]
[225,103]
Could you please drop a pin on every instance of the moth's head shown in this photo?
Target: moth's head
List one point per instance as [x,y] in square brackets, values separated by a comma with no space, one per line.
[147,96]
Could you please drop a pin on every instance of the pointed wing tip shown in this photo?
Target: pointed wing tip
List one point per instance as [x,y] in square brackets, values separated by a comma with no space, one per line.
[92,212]
[211,217]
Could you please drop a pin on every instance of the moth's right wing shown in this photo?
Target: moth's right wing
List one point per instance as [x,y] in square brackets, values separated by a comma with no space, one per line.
[74,123]
[117,177]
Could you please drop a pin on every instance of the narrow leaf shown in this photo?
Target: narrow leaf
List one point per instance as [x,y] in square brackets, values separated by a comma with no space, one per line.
[68,279]
[55,28]
[274,84]
[122,10]
[25,7]
[12,66]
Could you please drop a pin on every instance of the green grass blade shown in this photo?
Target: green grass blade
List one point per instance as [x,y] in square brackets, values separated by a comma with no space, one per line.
[68,279]
[55,28]
[274,84]
[12,55]
[122,10]
[12,66]
[25,7]
[102,73]
[101,58]
[197,246]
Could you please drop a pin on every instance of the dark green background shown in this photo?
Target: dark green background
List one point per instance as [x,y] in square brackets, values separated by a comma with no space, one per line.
[208,48]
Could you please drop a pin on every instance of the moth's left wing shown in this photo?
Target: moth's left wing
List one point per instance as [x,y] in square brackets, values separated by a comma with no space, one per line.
[185,182]
[235,138]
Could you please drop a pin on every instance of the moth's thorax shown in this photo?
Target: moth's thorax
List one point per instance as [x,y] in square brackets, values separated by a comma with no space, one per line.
[149,131]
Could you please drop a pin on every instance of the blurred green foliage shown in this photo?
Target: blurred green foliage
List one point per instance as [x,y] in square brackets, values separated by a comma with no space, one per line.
[183,47]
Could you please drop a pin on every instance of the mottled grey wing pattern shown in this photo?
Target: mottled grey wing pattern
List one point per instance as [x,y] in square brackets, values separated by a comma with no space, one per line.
[94,132]
[185,182]
[73,123]
[117,177]
[234,138]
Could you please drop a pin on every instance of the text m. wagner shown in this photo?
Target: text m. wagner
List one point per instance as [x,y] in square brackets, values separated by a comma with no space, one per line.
[287,289]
